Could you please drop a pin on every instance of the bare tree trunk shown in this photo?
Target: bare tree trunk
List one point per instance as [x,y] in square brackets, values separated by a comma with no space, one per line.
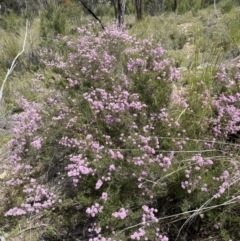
[120,12]
[215,7]
[163,6]
[175,6]
[114,3]
[139,7]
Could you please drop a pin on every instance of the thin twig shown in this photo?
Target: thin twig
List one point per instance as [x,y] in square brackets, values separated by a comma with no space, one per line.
[205,208]
[30,228]
[197,140]
[181,114]
[201,209]
[158,151]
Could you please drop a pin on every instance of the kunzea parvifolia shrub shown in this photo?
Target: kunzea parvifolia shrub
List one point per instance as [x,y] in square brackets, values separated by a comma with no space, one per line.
[100,148]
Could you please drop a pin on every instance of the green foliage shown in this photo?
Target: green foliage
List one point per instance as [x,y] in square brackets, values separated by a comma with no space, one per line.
[183,6]
[73,12]
[11,48]
[165,31]
[53,21]
[11,22]
[105,10]
[187,5]
[130,8]
[12,5]
[196,6]
[232,21]
[226,6]
[26,8]
[169,5]
[154,8]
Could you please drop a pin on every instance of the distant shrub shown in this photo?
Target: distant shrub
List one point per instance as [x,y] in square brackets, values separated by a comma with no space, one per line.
[130,8]
[11,22]
[53,21]
[11,48]
[73,12]
[104,10]
[155,7]
[226,6]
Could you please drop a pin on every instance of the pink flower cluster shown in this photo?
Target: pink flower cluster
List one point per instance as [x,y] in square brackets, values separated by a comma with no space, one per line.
[228,119]
[27,123]
[192,173]
[113,105]
[149,214]
[138,234]
[226,182]
[99,184]
[104,196]
[121,214]
[38,198]
[79,168]
[37,142]
[94,209]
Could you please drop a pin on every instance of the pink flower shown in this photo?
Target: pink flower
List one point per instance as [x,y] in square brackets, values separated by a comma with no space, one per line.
[94,209]
[121,214]
[37,143]
[137,235]
[112,168]
[104,196]
[99,184]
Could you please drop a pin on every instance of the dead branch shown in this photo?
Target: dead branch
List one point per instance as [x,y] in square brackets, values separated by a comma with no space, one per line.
[14,62]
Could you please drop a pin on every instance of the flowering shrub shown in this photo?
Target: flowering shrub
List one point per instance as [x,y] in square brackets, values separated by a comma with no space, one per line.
[227,104]
[107,139]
